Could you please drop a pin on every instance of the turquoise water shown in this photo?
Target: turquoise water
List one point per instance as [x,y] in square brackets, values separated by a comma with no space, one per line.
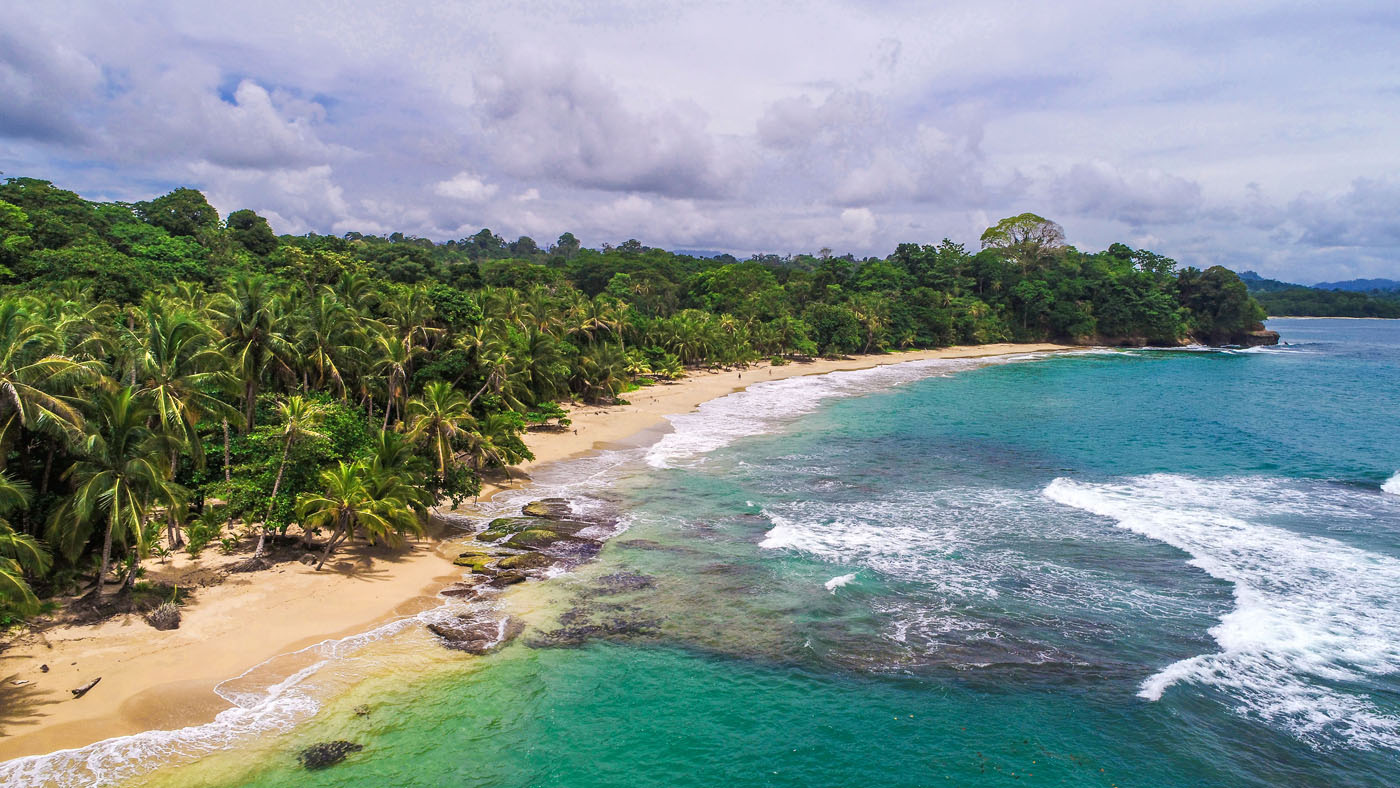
[1142,568]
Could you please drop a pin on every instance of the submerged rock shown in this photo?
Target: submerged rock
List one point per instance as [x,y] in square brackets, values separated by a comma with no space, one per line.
[502,527]
[577,633]
[477,562]
[465,587]
[526,561]
[319,756]
[536,538]
[623,582]
[474,635]
[508,578]
[548,508]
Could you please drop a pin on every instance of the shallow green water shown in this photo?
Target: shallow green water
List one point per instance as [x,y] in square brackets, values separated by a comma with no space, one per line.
[1151,568]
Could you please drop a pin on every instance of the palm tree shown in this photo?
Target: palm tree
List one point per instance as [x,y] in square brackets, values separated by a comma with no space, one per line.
[395,360]
[300,419]
[117,479]
[327,339]
[439,417]
[181,371]
[394,470]
[601,371]
[34,380]
[254,327]
[352,501]
[494,442]
[19,553]
[540,366]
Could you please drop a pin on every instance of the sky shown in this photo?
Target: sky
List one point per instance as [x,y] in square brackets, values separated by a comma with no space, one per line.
[1261,136]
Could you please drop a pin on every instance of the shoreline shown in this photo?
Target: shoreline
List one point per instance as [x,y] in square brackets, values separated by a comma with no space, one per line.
[166,680]
[1325,317]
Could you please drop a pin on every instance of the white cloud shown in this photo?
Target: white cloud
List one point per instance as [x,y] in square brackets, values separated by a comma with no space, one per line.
[466,187]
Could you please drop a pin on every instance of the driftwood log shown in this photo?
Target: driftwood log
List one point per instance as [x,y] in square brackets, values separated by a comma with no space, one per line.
[83,690]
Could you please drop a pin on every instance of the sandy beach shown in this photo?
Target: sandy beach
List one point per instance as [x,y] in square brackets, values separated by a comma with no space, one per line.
[152,679]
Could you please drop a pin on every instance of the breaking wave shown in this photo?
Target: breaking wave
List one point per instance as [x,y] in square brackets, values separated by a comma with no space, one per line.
[1315,620]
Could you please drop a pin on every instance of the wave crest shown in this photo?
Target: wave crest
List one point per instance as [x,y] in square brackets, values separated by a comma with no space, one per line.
[1304,632]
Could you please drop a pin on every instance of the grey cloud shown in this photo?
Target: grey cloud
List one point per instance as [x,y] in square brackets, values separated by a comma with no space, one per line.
[556,121]
[43,85]
[1137,197]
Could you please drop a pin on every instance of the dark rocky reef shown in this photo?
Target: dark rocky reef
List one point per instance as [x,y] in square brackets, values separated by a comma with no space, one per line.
[1258,338]
[475,635]
[328,753]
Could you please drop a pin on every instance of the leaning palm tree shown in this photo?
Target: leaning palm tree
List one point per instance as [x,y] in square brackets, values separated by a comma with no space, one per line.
[350,501]
[19,553]
[495,442]
[117,479]
[439,417]
[394,470]
[301,419]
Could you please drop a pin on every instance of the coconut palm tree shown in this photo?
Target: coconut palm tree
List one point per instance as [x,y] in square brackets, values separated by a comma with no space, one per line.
[540,366]
[180,370]
[19,553]
[494,442]
[117,479]
[601,371]
[395,359]
[327,338]
[351,501]
[255,336]
[439,417]
[35,380]
[395,470]
[301,419]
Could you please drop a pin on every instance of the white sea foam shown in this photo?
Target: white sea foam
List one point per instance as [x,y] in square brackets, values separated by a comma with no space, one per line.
[1311,614]
[763,407]
[838,582]
[1392,485]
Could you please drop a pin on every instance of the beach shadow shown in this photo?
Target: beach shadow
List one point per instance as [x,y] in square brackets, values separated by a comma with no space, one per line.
[21,705]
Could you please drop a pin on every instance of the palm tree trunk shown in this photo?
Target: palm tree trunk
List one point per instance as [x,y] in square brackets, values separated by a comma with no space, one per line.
[228,477]
[335,539]
[106,553]
[250,394]
[272,501]
[48,470]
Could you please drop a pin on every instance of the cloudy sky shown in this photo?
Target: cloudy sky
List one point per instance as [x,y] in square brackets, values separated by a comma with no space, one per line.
[1255,135]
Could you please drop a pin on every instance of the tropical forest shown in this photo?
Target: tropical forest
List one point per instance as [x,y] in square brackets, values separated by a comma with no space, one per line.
[173,379]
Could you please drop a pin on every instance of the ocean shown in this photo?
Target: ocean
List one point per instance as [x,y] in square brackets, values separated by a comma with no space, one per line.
[1090,568]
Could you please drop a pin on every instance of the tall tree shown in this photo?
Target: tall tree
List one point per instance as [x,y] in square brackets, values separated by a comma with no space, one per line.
[116,480]
[255,336]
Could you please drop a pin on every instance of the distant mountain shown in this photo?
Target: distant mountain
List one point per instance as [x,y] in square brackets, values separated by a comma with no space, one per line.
[708,254]
[1360,285]
[1258,284]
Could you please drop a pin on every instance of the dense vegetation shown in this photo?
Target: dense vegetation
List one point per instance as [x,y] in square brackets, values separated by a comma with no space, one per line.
[1330,303]
[168,374]
[1323,300]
